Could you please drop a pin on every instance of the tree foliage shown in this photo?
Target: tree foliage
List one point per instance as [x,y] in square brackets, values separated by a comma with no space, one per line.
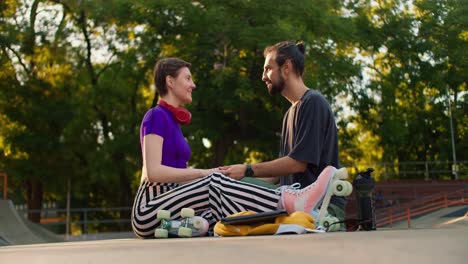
[75,81]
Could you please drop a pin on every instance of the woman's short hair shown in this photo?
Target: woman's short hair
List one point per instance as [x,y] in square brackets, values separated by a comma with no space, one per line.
[165,67]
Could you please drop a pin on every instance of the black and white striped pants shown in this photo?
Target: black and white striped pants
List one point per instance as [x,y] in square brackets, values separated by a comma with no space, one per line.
[213,197]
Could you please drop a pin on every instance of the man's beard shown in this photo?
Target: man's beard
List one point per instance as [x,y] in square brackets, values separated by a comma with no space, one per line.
[278,86]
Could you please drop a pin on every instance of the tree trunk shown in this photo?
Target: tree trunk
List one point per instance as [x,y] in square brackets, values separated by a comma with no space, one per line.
[125,193]
[34,199]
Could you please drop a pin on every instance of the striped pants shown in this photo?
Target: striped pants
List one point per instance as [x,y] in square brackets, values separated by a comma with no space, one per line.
[213,197]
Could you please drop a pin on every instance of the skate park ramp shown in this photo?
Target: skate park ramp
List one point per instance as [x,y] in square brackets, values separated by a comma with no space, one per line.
[15,230]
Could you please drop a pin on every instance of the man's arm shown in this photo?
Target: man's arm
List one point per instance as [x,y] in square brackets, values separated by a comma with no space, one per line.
[276,168]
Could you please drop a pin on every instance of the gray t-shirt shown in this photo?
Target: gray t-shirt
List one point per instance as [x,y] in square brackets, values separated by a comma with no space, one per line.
[309,134]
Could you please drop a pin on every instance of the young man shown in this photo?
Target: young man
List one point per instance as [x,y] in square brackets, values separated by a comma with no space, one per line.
[309,135]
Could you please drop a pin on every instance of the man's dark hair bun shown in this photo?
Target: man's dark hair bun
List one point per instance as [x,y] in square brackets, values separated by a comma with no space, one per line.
[301,47]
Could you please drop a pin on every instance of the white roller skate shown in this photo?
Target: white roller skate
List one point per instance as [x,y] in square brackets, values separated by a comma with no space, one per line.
[317,195]
[189,225]
[327,223]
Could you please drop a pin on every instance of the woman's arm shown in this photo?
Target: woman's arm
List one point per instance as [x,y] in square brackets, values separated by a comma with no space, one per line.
[156,172]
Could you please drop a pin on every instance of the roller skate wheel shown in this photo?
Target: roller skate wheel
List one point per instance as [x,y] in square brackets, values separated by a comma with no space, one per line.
[341,173]
[325,222]
[185,232]
[187,212]
[198,223]
[349,187]
[161,233]
[340,188]
[163,214]
[334,227]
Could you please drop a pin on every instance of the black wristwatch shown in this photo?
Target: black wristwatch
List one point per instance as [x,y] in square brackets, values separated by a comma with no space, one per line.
[248,171]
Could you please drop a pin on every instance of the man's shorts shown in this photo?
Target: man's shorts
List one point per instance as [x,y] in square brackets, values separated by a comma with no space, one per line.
[259,182]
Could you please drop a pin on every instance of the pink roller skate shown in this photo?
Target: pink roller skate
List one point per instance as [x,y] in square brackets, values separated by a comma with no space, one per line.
[189,226]
[330,182]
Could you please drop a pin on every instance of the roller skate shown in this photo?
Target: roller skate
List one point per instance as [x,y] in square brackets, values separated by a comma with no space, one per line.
[315,198]
[189,225]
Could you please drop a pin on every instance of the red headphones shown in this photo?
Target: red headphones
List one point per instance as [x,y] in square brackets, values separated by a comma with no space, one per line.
[182,115]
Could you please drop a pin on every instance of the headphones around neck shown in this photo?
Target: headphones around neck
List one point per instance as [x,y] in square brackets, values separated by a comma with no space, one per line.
[182,115]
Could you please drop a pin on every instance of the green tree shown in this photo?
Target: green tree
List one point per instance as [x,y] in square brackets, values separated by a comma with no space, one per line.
[405,101]
[35,102]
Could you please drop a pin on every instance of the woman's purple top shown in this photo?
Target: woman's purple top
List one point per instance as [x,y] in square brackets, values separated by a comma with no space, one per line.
[160,121]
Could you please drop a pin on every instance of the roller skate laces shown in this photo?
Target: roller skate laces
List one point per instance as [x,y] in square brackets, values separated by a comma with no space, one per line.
[295,186]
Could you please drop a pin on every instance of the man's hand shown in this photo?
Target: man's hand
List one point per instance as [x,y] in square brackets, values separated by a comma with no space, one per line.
[236,171]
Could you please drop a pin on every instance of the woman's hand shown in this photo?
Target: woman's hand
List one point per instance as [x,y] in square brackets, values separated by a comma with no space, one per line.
[207,172]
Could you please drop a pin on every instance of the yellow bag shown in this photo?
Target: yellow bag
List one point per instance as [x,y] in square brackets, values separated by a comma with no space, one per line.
[297,221]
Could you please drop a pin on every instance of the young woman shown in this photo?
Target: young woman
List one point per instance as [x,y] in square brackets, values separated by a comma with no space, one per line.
[167,183]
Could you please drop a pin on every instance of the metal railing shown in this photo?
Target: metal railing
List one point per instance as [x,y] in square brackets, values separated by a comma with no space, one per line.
[389,216]
[407,207]
[408,169]
[80,218]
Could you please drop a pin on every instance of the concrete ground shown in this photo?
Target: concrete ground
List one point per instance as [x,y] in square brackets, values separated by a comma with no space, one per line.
[444,245]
